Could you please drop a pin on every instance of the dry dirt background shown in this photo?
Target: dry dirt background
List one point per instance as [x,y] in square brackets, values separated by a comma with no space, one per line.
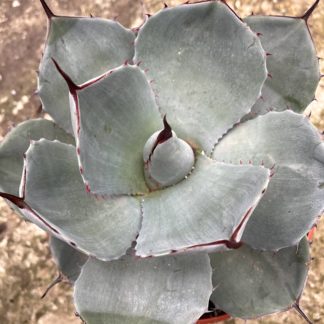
[25,264]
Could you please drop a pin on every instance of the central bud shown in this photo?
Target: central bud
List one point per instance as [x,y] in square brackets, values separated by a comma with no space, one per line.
[167,158]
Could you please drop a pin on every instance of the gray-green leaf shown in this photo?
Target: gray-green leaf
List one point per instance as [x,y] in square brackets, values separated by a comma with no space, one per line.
[293,64]
[117,116]
[250,283]
[170,289]
[68,259]
[85,48]
[208,68]
[289,143]
[207,210]
[59,203]
[16,143]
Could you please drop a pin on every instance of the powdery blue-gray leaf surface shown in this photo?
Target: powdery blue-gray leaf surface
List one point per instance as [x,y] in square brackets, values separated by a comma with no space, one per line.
[16,143]
[209,209]
[68,259]
[208,68]
[250,283]
[170,289]
[293,64]
[117,116]
[56,195]
[85,48]
[289,143]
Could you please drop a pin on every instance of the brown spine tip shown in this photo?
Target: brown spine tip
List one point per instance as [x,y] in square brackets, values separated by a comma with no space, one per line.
[164,135]
[49,13]
[301,313]
[233,245]
[21,204]
[56,281]
[309,12]
[18,201]
[72,86]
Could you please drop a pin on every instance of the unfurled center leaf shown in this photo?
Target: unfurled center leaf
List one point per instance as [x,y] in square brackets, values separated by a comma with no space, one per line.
[167,158]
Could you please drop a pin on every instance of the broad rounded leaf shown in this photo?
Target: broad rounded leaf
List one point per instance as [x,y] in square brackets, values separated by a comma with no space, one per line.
[250,283]
[85,48]
[208,68]
[293,64]
[171,289]
[68,259]
[288,143]
[16,143]
[117,115]
[209,209]
[56,195]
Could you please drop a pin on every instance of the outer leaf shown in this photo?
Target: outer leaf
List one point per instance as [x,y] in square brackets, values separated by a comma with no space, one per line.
[117,115]
[250,283]
[289,143]
[85,47]
[68,259]
[293,64]
[55,198]
[16,143]
[172,289]
[207,210]
[202,57]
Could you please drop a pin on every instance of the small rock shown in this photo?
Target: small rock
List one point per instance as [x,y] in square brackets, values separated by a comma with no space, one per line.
[3,227]
[15,4]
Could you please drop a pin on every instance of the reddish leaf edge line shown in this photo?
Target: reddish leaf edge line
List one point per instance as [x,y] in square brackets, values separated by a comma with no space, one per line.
[74,89]
[234,242]
[31,214]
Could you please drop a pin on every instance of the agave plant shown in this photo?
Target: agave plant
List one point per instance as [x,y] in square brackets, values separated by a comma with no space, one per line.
[191,178]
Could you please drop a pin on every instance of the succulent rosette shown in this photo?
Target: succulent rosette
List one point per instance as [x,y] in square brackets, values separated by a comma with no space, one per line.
[177,176]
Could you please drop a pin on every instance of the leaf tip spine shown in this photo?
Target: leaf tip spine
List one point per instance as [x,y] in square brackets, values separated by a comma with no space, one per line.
[49,13]
[309,12]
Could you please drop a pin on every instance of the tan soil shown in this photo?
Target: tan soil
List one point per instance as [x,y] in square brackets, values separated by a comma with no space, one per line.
[26,267]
